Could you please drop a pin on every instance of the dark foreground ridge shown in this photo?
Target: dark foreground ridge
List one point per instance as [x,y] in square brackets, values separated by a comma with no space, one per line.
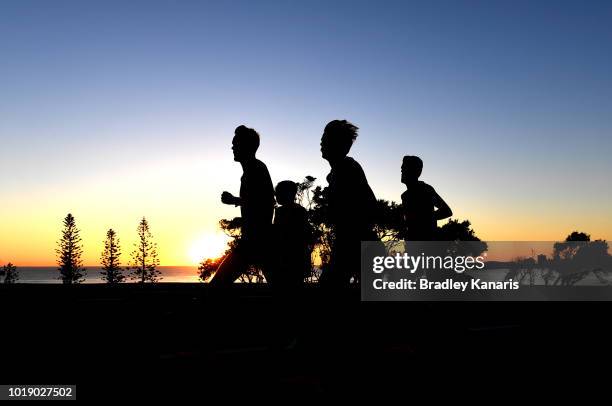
[189,340]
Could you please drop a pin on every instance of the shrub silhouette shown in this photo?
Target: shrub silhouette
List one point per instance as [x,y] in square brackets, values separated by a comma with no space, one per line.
[11,275]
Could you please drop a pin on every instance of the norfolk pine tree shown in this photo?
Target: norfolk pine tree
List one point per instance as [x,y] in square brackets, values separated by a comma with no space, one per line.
[111,267]
[144,257]
[69,253]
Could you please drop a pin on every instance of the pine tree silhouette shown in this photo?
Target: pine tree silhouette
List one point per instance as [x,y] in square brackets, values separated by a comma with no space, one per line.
[10,272]
[144,257]
[111,267]
[69,252]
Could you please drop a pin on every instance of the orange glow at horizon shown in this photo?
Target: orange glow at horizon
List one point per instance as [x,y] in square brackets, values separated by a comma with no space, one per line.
[183,213]
[181,200]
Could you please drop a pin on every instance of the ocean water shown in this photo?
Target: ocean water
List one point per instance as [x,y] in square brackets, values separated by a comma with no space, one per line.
[49,274]
[189,274]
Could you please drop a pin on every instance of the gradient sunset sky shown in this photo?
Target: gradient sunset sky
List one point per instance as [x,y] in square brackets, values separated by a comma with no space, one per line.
[117,110]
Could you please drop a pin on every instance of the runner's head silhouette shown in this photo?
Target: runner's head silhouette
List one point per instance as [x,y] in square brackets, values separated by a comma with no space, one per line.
[285,192]
[412,166]
[245,143]
[337,139]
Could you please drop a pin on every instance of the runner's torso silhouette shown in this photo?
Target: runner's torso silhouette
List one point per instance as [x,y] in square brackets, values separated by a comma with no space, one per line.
[352,203]
[257,196]
[418,211]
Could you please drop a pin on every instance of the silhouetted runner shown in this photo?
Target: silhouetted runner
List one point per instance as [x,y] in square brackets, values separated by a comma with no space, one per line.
[291,263]
[292,234]
[256,203]
[422,207]
[352,204]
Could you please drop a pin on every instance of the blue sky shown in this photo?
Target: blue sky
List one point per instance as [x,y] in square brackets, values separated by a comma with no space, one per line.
[509,103]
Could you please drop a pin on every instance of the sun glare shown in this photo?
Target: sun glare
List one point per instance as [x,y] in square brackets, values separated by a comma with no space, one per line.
[208,246]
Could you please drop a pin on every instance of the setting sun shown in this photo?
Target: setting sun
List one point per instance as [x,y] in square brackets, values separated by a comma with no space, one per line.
[208,246]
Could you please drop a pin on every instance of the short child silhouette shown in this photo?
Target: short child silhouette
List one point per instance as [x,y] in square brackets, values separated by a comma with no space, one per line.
[292,232]
[422,207]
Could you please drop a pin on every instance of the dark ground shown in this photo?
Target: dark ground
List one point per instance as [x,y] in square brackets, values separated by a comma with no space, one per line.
[184,340]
